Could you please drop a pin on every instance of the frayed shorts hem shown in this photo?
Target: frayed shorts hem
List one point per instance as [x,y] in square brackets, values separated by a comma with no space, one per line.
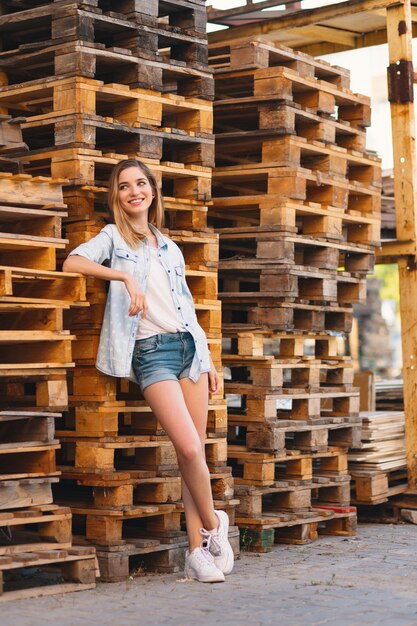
[159,378]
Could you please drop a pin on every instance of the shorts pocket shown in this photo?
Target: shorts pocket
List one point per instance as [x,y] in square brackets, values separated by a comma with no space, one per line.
[146,346]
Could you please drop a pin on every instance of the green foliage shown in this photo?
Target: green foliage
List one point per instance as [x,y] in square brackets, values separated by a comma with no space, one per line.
[390,287]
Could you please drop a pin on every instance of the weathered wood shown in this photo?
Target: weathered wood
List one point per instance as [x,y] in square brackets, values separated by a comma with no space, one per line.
[405,191]
[76,564]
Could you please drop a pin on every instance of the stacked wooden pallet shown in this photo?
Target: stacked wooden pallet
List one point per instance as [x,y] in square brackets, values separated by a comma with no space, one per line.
[97,86]
[378,465]
[296,201]
[35,353]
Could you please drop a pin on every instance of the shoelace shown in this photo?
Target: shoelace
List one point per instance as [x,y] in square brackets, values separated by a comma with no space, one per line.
[212,543]
[204,555]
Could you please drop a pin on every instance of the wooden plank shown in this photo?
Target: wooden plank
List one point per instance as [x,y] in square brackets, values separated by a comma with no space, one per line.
[405,192]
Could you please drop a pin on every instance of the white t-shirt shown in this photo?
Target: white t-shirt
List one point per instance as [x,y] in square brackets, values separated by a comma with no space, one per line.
[162,315]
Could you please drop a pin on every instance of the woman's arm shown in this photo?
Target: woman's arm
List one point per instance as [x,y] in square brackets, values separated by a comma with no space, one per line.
[80,265]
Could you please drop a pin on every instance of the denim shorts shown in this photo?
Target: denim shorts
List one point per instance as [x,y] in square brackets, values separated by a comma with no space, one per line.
[167,356]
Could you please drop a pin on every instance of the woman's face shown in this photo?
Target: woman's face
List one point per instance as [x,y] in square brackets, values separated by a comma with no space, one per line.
[135,192]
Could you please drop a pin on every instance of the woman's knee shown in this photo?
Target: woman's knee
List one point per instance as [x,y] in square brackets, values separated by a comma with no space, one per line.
[190,451]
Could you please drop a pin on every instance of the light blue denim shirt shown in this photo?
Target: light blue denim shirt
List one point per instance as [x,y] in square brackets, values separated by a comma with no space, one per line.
[118,332]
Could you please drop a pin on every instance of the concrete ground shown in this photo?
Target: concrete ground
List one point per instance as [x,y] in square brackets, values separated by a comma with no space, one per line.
[362,580]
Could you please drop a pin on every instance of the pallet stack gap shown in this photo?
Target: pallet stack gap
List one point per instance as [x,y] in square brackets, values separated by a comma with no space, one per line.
[96,86]
[296,203]
[35,358]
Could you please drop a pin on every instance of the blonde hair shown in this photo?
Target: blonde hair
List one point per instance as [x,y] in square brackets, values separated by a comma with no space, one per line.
[121,219]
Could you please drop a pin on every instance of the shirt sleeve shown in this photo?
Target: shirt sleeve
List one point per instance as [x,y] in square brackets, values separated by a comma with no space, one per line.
[98,249]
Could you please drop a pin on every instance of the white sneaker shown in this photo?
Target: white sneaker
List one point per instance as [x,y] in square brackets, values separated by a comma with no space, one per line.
[200,565]
[219,545]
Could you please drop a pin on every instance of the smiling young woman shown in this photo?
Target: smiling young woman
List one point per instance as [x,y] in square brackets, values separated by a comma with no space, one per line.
[150,334]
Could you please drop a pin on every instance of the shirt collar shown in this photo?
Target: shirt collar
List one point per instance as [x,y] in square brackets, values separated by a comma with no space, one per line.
[161,239]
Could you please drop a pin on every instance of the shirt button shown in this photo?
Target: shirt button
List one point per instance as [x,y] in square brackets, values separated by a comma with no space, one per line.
[179,308]
[187,325]
[172,290]
[169,271]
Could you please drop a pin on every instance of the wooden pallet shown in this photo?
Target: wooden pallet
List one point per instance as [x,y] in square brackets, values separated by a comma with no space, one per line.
[132,453]
[33,529]
[296,344]
[62,24]
[270,148]
[32,191]
[94,60]
[44,388]
[295,496]
[26,286]
[280,435]
[268,374]
[27,460]
[34,574]
[107,492]
[17,427]
[113,102]
[91,416]
[141,555]
[118,490]
[286,118]
[252,53]
[27,455]
[270,211]
[263,279]
[32,234]
[376,487]
[259,534]
[257,405]
[111,527]
[244,315]
[24,351]
[296,183]
[90,133]
[237,87]
[33,488]
[262,469]
[267,245]
[189,15]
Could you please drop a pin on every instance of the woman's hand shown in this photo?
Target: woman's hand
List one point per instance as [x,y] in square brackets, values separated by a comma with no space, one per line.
[137,298]
[214,379]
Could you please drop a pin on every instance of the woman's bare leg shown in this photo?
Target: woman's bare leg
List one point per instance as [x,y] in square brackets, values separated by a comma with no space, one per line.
[167,402]
[196,399]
